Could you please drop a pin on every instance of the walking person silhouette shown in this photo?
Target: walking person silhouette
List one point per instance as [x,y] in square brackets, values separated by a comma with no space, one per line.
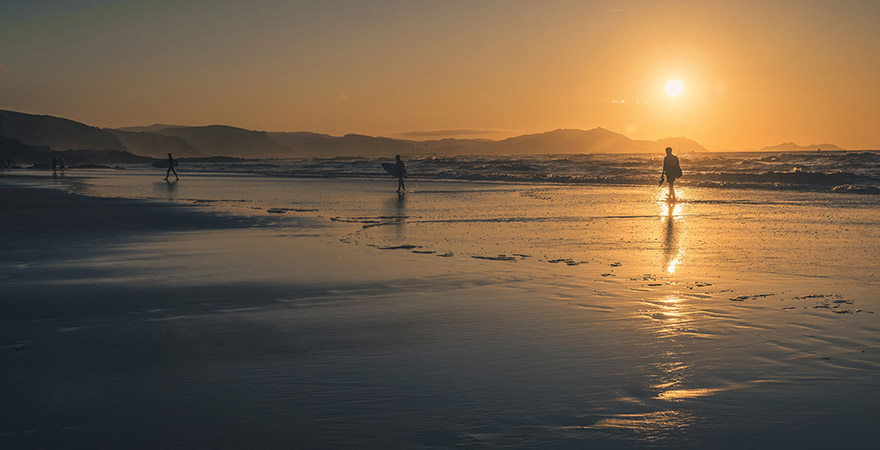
[171,169]
[672,170]
[401,173]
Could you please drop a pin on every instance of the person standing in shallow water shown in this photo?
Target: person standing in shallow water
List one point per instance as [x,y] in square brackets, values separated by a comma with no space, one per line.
[672,171]
[171,168]
[401,173]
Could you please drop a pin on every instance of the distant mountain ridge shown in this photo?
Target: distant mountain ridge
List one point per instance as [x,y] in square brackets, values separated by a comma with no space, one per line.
[155,144]
[56,133]
[307,144]
[792,147]
[223,140]
[157,140]
[596,140]
[151,128]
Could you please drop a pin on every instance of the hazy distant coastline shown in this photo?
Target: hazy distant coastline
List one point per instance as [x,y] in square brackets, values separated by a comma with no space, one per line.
[25,135]
[792,147]
[28,138]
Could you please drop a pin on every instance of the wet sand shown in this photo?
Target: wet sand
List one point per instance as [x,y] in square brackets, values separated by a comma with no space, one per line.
[149,324]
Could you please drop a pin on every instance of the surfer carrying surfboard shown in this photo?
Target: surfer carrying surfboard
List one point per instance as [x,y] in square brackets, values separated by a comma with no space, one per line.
[171,168]
[401,173]
[672,170]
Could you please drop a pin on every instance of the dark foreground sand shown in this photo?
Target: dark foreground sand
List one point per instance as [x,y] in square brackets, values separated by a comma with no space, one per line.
[143,325]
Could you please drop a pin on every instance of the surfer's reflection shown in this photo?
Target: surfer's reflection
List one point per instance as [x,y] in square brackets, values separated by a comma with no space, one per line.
[166,188]
[395,213]
[672,252]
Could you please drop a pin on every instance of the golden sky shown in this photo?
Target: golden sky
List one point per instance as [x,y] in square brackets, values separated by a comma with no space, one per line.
[754,73]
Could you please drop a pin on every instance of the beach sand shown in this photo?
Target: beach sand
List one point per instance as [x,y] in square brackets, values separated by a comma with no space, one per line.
[246,312]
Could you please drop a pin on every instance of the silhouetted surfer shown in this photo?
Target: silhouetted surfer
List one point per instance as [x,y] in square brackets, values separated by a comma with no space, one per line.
[401,173]
[171,168]
[672,170]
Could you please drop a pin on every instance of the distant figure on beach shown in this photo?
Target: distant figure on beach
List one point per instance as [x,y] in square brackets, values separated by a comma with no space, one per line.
[54,164]
[401,173]
[171,168]
[672,170]
[61,164]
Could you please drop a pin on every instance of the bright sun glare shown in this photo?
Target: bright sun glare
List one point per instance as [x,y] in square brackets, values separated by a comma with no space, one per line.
[674,87]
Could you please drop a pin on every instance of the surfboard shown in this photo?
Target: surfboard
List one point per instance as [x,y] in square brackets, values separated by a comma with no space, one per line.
[164,164]
[390,168]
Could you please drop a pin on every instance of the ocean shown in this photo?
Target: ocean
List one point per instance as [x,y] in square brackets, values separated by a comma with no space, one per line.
[838,171]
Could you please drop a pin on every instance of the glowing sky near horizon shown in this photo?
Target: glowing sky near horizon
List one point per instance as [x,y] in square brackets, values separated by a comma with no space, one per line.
[755,73]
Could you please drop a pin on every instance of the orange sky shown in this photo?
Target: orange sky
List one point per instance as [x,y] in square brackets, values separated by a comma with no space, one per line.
[755,73]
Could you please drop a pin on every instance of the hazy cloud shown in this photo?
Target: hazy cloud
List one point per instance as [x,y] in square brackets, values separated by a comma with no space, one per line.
[444,133]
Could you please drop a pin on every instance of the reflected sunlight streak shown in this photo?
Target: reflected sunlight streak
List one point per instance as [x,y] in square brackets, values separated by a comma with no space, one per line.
[681,394]
[673,265]
[672,248]
[673,320]
[647,423]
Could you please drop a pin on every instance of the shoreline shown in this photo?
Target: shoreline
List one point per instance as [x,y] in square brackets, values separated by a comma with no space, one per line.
[850,173]
[201,328]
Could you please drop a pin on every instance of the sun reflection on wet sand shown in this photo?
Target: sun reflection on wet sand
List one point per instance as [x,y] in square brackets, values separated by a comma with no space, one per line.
[647,423]
[672,320]
[679,394]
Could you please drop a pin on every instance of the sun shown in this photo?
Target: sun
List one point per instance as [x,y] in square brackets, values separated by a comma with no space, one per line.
[674,88]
